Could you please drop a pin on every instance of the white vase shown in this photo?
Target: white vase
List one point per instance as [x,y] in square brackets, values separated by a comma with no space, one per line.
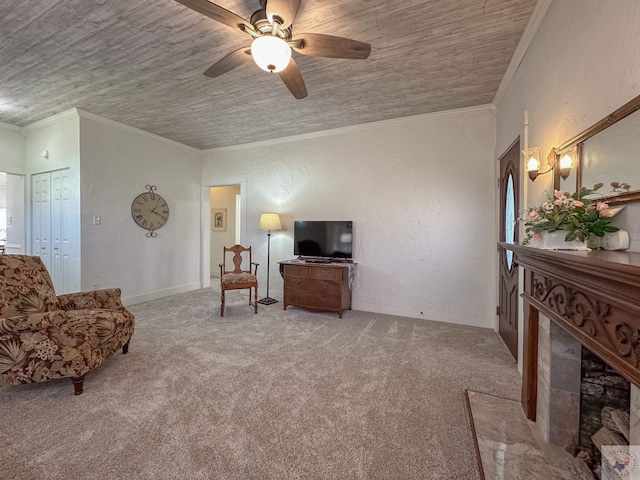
[555,241]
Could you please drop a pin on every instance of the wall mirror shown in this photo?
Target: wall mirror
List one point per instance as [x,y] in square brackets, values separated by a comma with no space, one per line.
[607,152]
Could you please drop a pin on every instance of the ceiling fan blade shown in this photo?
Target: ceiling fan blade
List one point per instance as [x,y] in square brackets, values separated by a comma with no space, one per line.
[292,78]
[286,10]
[228,63]
[218,13]
[319,45]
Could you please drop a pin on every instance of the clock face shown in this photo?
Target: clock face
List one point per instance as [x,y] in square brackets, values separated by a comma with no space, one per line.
[150,211]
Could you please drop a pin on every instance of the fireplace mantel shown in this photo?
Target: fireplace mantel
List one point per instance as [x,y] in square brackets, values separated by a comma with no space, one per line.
[593,295]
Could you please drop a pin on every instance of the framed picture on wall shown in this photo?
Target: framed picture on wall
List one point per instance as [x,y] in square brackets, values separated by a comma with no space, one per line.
[218,219]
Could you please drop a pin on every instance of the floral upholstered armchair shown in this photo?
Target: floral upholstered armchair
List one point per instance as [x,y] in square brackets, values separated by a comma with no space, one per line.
[44,336]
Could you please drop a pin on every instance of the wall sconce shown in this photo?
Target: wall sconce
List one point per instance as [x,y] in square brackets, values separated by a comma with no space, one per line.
[567,161]
[533,163]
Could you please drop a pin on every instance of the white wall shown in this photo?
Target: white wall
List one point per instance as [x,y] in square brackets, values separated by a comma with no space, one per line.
[420,192]
[583,63]
[11,149]
[16,214]
[12,161]
[117,162]
[59,135]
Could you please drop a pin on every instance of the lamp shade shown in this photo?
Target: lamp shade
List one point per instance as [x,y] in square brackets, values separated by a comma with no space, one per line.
[270,221]
[271,54]
[532,159]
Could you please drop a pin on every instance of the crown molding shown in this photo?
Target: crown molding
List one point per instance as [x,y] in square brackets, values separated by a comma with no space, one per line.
[357,128]
[134,130]
[57,118]
[77,113]
[11,128]
[523,45]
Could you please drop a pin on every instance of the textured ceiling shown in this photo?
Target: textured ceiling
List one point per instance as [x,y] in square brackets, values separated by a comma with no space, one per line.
[141,62]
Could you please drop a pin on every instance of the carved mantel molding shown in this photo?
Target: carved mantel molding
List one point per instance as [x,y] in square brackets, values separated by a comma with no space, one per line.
[594,296]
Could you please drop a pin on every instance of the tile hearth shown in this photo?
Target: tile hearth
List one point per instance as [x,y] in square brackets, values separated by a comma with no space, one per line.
[508,446]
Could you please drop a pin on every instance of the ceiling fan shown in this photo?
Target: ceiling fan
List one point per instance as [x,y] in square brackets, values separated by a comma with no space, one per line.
[272,32]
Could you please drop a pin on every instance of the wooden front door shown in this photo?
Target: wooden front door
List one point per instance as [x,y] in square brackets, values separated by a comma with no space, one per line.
[508,298]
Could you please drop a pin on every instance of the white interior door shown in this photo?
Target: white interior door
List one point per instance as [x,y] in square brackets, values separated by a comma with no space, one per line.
[50,201]
[55,262]
[41,216]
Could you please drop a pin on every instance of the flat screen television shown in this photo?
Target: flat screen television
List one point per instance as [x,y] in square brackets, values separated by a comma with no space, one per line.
[333,239]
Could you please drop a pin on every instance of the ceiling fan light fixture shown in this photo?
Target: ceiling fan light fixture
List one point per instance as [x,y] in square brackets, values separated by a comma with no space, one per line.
[271,53]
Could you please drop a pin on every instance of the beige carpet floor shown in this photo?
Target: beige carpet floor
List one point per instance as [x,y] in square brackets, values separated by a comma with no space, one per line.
[277,395]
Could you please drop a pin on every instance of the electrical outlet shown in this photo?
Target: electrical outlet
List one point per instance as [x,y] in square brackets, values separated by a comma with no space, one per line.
[96,220]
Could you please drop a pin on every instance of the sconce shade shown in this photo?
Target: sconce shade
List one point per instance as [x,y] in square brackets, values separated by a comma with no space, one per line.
[566,161]
[532,161]
[270,221]
[271,53]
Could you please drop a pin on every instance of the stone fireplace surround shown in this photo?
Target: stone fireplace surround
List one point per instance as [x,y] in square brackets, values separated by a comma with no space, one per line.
[574,299]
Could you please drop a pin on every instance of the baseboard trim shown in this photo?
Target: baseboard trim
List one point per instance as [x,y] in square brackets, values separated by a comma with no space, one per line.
[146,297]
[458,319]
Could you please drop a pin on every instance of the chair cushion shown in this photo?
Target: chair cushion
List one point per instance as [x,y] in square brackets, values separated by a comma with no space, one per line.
[233,278]
[25,286]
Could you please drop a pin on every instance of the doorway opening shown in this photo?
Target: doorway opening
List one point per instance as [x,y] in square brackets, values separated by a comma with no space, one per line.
[12,213]
[226,212]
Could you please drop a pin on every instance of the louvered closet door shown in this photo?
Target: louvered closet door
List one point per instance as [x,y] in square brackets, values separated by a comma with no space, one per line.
[66,222]
[56,270]
[41,217]
[50,223]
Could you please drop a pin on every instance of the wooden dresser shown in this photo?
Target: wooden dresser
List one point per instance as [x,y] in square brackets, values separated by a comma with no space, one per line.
[318,287]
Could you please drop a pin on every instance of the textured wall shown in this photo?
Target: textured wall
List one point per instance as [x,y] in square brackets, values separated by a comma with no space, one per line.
[11,149]
[60,136]
[420,193]
[582,64]
[12,161]
[117,163]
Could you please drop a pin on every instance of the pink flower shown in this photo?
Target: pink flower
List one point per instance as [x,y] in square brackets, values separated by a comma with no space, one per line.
[537,236]
[558,202]
[603,209]
[534,214]
[578,203]
[558,194]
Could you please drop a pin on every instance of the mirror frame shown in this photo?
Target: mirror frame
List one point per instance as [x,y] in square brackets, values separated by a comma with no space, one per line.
[622,112]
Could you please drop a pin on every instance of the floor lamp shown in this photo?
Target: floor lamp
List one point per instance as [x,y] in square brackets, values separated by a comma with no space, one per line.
[269,221]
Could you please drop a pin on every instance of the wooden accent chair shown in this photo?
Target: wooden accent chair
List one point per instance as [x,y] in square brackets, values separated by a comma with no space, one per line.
[239,278]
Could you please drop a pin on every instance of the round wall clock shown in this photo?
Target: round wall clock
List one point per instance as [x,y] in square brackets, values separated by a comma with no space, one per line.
[150,211]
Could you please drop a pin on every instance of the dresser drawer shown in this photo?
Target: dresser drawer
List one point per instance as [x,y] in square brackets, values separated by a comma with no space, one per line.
[296,270]
[313,285]
[306,299]
[328,273]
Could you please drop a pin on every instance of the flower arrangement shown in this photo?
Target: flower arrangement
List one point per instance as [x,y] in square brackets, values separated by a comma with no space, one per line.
[579,216]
